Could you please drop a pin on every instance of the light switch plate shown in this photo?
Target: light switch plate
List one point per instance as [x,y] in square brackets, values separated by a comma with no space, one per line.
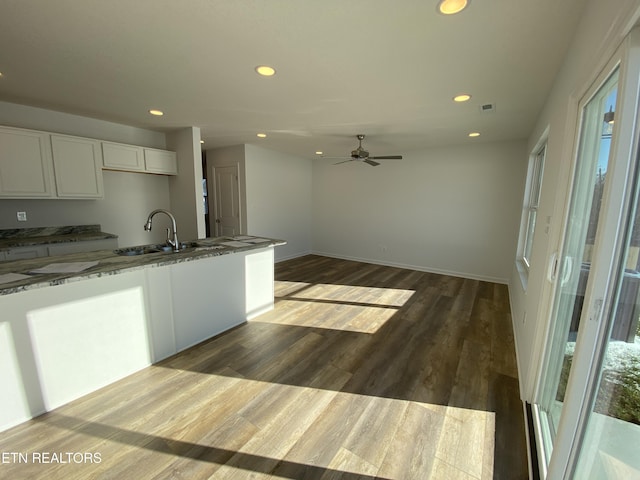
[22,216]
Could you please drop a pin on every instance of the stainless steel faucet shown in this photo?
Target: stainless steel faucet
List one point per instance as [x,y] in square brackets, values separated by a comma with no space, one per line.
[172,237]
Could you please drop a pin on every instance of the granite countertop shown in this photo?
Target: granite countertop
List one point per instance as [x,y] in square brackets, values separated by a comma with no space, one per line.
[110,263]
[25,237]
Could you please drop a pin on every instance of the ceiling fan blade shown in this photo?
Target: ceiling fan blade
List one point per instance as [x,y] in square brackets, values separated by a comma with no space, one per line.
[361,155]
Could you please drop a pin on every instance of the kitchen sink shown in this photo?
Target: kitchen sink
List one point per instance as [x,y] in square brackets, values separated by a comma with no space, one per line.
[163,248]
[143,250]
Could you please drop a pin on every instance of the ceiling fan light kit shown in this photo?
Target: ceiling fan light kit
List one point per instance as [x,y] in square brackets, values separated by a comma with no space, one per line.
[361,155]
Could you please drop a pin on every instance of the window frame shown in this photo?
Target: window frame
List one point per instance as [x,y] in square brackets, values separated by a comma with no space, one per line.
[531,202]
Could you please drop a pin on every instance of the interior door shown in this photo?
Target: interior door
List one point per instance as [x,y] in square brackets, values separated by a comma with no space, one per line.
[226,186]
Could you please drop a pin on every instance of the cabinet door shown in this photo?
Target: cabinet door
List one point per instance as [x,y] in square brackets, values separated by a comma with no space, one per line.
[160,161]
[117,156]
[25,164]
[77,164]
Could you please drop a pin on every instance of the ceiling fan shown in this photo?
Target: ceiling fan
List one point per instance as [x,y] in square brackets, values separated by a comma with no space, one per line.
[361,155]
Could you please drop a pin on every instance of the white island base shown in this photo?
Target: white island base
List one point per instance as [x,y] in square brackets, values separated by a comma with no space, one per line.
[59,343]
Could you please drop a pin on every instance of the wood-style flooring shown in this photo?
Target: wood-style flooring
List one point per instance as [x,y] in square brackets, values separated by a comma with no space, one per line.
[360,372]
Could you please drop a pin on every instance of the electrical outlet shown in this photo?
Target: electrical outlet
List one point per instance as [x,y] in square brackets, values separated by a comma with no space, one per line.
[22,216]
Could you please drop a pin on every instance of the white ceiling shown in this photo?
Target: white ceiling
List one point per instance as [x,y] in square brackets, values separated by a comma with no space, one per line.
[385,68]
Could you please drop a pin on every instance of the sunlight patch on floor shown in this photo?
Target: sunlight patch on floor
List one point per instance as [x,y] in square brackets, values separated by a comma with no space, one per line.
[336,307]
[226,426]
[390,297]
[282,288]
[356,434]
[348,318]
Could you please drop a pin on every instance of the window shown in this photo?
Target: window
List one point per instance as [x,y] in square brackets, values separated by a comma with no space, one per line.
[534,182]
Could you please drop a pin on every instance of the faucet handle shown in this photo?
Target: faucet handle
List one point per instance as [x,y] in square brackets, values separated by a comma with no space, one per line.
[172,241]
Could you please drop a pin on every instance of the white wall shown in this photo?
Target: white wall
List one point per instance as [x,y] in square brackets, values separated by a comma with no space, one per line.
[185,188]
[453,210]
[129,197]
[22,116]
[600,31]
[278,194]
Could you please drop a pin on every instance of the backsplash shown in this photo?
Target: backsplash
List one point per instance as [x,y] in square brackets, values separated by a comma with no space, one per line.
[48,231]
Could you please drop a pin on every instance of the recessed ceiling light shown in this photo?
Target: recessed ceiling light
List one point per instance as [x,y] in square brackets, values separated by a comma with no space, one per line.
[157,113]
[319,152]
[463,97]
[474,134]
[449,7]
[265,70]
[261,135]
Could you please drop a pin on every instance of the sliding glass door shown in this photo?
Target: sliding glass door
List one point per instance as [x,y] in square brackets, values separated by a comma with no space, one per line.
[588,401]
[574,267]
[611,447]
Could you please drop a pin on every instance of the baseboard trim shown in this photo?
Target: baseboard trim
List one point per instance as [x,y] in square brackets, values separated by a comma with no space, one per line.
[515,333]
[420,268]
[292,256]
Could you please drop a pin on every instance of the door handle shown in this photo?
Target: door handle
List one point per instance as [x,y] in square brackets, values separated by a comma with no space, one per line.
[552,267]
[568,270]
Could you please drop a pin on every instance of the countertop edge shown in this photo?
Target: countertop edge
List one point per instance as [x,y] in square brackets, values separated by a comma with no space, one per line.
[115,265]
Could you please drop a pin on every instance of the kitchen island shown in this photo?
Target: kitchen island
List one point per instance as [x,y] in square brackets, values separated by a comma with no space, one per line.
[66,334]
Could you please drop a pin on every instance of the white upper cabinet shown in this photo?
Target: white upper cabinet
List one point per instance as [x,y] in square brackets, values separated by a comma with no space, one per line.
[77,164]
[117,156]
[131,158]
[25,164]
[37,164]
[160,161]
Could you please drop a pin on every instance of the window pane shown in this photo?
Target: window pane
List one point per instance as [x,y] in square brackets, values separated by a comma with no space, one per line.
[531,225]
[536,179]
[612,442]
[535,182]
